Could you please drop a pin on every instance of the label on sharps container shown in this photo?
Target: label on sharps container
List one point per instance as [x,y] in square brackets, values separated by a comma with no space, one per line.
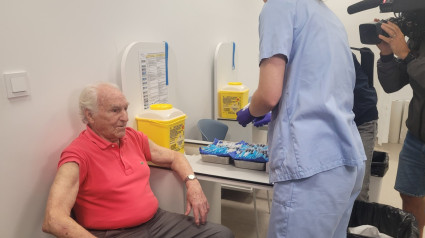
[231,105]
[177,137]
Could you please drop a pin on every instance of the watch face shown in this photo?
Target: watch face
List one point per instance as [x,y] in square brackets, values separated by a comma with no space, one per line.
[191,176]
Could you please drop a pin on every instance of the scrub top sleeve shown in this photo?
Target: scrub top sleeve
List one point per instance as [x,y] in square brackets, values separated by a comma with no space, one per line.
[276,27]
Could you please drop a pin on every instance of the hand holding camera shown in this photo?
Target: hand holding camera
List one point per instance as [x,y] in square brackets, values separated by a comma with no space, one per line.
[408,20]
[393,41]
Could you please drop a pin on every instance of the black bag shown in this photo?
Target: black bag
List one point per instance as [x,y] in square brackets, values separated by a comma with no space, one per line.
[389,220]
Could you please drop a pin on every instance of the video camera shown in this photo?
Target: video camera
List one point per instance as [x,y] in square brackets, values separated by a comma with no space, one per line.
[409,17]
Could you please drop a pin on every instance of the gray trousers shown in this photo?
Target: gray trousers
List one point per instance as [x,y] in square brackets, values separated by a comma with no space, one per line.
[367,132]
[166,225]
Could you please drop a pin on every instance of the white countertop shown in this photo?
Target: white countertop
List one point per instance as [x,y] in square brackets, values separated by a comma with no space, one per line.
[227,172]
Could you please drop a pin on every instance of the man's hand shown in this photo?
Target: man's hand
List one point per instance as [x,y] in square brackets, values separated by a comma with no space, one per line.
[383,46]
[244,117]
[197,201]
[395,43]
[264,120]
[195,198]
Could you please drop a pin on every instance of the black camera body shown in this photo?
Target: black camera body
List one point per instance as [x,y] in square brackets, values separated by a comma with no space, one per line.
[410,27]
[369,33]
[409,17]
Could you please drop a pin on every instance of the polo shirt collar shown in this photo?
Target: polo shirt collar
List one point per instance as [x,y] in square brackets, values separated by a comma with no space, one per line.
[99,141]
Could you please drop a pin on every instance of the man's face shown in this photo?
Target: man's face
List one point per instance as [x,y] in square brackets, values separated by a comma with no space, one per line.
[110,120]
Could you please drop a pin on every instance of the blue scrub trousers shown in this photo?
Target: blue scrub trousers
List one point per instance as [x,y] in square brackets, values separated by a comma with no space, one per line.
[318,206]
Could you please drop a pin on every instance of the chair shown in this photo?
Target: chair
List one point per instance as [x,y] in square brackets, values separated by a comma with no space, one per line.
[211,129]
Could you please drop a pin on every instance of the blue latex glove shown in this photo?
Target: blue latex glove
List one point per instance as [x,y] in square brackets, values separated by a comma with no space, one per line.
[244,117]
[264,120]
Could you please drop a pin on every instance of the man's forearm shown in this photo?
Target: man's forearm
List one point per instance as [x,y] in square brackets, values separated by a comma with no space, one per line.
[65,227]
[391,77]
[269,90]
[181,165]
[258,106]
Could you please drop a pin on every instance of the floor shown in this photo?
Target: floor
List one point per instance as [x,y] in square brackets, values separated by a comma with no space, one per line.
[238,209]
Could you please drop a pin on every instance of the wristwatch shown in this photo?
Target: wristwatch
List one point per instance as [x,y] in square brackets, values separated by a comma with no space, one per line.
[409,58]
[190,177]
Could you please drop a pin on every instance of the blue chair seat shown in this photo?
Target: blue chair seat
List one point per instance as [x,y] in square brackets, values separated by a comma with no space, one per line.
[212,129]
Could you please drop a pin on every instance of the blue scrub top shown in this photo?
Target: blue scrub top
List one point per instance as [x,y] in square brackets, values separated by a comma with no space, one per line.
[312,129]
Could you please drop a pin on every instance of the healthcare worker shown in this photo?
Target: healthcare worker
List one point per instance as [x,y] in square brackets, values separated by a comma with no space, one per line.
[316,155]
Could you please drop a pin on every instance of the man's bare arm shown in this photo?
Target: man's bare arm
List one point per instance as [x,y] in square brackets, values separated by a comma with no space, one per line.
[63,193]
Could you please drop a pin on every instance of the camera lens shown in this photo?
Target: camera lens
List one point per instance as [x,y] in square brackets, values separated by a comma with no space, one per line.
[369,33]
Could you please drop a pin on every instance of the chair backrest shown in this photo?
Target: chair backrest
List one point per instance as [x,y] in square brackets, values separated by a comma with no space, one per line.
[211,129]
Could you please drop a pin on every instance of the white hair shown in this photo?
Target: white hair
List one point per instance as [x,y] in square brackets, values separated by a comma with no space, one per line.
[88,98]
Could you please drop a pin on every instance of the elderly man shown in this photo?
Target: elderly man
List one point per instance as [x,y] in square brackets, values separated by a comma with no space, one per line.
[103,179]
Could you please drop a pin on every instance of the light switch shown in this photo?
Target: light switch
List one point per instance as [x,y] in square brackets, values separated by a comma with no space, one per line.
[19,84]
[16,84]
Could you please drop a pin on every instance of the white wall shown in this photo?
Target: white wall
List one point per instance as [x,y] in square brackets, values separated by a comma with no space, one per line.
[64,45]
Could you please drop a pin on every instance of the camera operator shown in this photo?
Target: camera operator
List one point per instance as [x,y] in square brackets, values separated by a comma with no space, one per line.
[408,67]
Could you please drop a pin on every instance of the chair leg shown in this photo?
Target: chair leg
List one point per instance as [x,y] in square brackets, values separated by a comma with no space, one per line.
[256,213]
[268,200]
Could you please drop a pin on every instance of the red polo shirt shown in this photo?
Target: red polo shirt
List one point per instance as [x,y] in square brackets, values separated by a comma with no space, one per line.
[114,187]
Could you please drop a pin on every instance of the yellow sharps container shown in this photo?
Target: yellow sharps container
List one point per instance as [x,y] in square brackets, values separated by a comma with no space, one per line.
[164,125]
[232,98]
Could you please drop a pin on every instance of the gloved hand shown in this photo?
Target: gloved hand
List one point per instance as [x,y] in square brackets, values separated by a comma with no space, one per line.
[264,120]
[244,117]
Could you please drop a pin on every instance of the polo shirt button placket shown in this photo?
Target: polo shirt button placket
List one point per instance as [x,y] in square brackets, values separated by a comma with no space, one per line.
[127,167]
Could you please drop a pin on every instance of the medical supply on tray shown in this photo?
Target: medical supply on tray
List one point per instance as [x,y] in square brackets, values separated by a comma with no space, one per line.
[164,125]
[242,154]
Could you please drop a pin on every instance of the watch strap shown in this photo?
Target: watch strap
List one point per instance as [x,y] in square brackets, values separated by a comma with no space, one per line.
[409,58]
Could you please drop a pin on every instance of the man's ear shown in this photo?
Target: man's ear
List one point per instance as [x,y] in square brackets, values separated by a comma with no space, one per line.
[89,116]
